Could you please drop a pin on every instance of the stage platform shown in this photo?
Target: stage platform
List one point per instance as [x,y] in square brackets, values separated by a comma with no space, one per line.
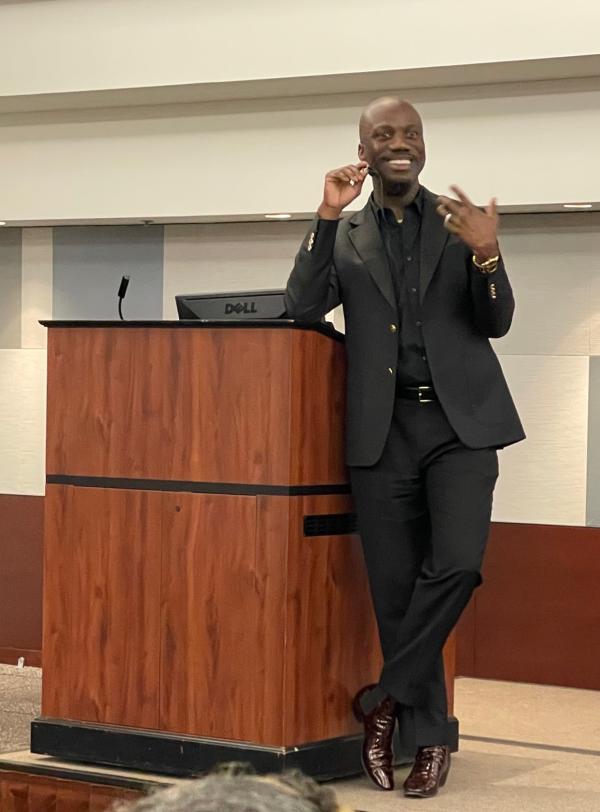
[29,782]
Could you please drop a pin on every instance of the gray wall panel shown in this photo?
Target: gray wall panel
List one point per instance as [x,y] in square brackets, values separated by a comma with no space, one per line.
[10,288]
[89,262]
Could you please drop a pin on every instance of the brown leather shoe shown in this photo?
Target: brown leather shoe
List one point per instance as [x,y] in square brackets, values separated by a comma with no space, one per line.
[377,753]
[429,772]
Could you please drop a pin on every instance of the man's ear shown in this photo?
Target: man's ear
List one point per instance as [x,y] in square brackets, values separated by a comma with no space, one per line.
[361,152]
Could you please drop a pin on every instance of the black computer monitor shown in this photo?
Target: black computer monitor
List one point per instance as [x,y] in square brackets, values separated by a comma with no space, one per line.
[248,304]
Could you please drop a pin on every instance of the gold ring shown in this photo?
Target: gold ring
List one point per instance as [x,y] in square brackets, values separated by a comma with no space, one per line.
[447,218]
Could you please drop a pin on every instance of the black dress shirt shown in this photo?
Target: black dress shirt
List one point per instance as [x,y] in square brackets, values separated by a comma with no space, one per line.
[402,242]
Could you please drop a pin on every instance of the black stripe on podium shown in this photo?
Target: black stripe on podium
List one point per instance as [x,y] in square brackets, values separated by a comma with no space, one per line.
[171,485]
[330,524]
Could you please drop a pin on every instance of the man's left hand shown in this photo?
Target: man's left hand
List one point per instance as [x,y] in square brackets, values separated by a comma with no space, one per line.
[478,229]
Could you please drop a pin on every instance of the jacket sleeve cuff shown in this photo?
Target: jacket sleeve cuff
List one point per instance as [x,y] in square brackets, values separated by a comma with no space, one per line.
[321,236]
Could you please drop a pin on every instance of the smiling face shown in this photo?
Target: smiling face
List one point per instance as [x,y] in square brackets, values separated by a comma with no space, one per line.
[391,142]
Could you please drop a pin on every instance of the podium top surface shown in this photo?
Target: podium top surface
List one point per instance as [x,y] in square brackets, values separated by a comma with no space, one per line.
[273,324]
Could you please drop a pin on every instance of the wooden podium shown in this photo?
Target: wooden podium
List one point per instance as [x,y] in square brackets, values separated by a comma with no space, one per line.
[205,597]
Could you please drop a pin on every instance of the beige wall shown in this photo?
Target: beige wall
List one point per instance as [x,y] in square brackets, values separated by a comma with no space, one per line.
[67,45]
[22,421]
[525,144]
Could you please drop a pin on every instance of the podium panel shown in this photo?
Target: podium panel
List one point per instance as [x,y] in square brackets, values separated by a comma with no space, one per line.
[102,570]
[199,403]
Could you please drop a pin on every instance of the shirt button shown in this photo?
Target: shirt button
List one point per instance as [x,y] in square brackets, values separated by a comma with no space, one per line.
[419,323]
[413,290]
[393,328]
[409,259]
[424,357]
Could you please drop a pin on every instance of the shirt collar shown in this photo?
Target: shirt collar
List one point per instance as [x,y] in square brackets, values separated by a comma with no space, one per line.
[384,214]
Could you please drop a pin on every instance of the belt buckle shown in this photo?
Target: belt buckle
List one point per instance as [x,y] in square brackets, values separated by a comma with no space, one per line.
[423,390]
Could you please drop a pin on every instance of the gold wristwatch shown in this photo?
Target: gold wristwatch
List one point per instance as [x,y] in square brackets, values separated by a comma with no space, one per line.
[488,266]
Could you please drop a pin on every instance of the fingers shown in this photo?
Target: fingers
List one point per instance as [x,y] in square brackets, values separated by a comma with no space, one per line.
[362,174]
[452,220]
[464,208]
[451,224]
[461,196]
[345,174]
[344,185]
[448,205]
[353,173]
[360,171]
[492,208]
[465,201]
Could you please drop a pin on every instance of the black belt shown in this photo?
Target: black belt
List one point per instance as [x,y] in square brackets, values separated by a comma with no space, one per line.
[422,394]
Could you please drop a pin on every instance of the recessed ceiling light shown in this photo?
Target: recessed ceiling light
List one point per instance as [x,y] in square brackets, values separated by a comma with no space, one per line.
[278,216]
[2,222]
[577,205]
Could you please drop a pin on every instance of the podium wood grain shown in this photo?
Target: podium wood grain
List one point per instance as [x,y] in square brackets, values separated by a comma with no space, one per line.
[317,401]
[208,405]
[212,650]
[101,606]
[331,634]
[26,792]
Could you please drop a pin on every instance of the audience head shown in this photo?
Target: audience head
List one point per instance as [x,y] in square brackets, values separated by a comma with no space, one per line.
[233,789]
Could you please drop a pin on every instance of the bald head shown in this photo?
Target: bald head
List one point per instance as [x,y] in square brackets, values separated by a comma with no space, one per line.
[391,142]
[380,107]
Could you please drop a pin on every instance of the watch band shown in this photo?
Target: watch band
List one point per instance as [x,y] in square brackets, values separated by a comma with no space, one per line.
[488,266]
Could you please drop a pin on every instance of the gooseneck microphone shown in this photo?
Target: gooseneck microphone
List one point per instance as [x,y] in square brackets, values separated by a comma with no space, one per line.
[121,294]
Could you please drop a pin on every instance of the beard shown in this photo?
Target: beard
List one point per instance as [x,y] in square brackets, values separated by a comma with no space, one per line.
[384,188]
[397,188]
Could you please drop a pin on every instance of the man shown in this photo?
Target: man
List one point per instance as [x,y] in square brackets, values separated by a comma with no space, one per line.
[423,287]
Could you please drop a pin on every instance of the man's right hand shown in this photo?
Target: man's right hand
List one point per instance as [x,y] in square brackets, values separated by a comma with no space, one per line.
[342,186]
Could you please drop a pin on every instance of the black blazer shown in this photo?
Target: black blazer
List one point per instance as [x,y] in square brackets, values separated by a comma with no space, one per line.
[344,262]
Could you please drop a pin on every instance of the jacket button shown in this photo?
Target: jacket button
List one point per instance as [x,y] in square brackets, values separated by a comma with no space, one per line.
[393,328]
[390,370]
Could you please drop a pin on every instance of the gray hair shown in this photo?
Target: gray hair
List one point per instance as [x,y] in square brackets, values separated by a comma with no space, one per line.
[290,792]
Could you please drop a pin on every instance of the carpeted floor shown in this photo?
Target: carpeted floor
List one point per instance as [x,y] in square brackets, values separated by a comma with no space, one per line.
[524,748]
[20,696]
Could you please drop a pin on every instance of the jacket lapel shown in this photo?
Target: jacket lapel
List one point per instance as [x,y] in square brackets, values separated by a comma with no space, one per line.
[433,239]
[366,238]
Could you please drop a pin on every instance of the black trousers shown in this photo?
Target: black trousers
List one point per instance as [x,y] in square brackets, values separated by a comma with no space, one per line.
[423,515]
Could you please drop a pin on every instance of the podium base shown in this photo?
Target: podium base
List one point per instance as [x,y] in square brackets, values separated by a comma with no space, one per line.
[176,754]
